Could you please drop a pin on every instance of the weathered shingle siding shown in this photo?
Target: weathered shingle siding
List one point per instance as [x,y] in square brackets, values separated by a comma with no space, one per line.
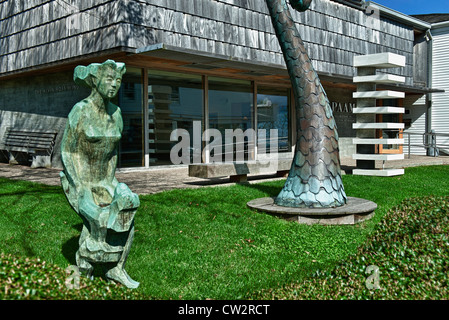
[333,33]
[35,32]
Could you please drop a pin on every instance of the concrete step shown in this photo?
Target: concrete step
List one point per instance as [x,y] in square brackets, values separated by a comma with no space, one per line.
[379,79]
[380,60]
[378,125]
[381,157]
[382,94]
[377,141]
[378,110]
[378,172]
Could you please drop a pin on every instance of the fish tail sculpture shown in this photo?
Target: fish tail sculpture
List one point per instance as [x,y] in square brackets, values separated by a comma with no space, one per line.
[314,180]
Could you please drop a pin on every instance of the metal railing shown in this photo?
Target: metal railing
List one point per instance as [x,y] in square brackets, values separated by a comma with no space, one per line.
[432,142]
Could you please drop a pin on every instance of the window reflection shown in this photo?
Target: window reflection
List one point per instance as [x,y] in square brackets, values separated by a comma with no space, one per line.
[272,113]
[175,101]
[130,102]
[230,107]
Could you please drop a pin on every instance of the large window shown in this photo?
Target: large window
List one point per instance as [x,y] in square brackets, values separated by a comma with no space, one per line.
[230,108]
[130,102]
[175,101]
[179,100]
[272,113]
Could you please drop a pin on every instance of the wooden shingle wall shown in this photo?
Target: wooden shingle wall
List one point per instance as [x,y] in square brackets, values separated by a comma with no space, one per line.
[38,32]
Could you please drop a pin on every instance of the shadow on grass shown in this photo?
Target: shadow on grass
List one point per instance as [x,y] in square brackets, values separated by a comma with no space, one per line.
[269,190]
[70,247]
[28,190]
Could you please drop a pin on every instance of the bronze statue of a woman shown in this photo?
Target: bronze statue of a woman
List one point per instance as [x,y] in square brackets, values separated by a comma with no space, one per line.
[89,155]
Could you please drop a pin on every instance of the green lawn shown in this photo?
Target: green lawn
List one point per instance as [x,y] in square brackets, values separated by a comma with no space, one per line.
[205,243]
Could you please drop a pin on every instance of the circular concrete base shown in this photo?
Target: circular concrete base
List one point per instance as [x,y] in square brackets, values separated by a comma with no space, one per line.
[354,211]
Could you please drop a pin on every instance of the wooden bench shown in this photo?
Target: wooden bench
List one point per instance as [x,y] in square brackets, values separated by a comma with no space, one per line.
[37,143]
[238,172]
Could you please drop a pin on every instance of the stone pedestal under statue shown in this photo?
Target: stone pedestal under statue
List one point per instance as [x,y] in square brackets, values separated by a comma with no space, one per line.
[355,210]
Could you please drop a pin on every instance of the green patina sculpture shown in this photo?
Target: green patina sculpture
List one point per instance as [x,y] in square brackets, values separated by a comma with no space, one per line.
[314,180]
[89,155]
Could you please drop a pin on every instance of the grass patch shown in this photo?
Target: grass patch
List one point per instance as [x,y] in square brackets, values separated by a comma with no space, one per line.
[34,279]
[410,250]
[205,243]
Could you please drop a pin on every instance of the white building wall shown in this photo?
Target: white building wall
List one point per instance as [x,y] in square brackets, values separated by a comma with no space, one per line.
[440,80]
[415,106]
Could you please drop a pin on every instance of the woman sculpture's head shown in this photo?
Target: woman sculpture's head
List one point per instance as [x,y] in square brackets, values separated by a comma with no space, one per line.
[103,77]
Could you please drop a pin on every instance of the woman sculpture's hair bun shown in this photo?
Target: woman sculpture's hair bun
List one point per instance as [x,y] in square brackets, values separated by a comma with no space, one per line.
[83,74]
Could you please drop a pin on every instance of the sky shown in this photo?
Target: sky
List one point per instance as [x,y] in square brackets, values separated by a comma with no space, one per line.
[416,6]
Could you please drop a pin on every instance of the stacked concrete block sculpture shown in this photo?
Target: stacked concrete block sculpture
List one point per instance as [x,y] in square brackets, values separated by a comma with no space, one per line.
[366,125]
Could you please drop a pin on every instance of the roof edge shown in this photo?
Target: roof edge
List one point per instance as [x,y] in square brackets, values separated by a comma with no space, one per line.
[399,16]
[442,24]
